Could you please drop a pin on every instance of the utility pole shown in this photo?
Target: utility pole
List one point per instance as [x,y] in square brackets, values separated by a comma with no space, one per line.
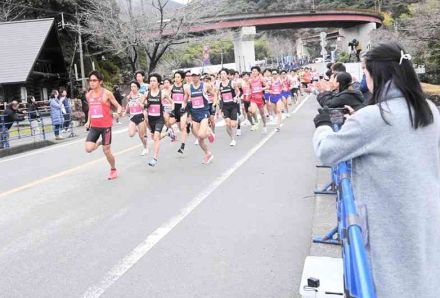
[81,57]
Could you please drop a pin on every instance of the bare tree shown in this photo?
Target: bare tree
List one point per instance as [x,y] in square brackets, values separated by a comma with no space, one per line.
[11,10]
[124,30]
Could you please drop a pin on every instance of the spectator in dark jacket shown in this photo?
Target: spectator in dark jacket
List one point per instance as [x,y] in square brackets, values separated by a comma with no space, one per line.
[119,97]
[84,103]
[34,115]
[10,115]
[345,95]
[68,110]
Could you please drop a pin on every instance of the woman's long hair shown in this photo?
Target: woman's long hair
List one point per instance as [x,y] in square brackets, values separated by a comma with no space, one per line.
[387,66]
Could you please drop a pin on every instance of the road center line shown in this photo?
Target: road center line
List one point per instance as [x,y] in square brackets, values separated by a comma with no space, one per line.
[63,173]
[154,238]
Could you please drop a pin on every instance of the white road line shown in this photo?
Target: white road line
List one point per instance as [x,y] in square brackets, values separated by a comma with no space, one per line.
[53,147]
[145,246]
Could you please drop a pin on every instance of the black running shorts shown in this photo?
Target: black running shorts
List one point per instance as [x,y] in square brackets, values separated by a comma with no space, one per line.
[104,132]
[139,118]
[156,124]
[230,111]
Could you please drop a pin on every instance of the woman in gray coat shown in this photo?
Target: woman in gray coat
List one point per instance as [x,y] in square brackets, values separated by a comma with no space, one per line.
[56,114]
[394,146]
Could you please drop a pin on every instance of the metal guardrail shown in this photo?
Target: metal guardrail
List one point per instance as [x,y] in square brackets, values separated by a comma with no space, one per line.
[35,125]
[358,279]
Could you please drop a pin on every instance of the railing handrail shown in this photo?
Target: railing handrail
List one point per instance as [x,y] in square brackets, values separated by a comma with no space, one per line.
[353,240]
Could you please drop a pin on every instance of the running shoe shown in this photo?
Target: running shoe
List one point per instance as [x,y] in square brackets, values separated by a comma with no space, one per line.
[264,131]
[196,142]
[152,162]
[181,149]
[277,129]
[288,115]
[144,151]
[238,133]
[113,174]
[211,137]
[254,127]
[233,143]
[208,158]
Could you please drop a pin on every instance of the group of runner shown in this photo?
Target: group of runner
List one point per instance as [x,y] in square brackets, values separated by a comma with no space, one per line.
[191,103]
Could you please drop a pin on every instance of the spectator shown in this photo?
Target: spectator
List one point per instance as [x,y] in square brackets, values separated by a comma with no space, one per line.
[34,115]
[56,114]
[343,95]
[84,104]
[340,67]
[67,111]
[10,115]
[394,147]
[119,97]
[364,89]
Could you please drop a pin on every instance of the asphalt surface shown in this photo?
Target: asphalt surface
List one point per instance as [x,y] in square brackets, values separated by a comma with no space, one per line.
[239,227]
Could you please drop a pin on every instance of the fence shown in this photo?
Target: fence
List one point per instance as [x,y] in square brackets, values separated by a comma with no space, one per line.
[36,125]
[358,280]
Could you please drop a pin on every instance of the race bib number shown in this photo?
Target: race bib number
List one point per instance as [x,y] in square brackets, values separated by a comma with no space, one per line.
[178,97]
[96,111]
[154,110]
[257,89]
[227,97]
[135,109]
[197,102]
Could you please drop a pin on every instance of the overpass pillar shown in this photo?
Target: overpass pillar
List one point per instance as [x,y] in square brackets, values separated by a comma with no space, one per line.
[360,32]
[244,48]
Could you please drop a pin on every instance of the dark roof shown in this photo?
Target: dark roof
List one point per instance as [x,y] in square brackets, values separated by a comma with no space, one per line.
[21,42]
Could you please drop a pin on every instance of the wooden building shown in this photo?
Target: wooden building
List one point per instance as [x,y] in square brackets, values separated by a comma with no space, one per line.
[31,60]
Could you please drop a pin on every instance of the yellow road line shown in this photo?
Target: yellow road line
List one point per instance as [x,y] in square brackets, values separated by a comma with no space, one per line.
[63,173]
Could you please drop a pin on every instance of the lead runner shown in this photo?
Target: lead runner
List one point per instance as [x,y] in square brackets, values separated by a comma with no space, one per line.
[100,119]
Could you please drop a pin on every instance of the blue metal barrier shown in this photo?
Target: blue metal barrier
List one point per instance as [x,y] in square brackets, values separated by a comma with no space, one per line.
[358,280]
[35,126]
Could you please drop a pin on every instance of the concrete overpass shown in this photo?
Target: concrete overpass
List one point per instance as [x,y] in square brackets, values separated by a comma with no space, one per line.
[352,23]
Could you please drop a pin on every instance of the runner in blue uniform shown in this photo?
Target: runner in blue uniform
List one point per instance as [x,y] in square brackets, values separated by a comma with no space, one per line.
[196,96]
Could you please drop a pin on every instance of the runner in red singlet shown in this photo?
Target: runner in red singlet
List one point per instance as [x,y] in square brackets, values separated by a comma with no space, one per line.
[247,92]
[257,102]
[100,119]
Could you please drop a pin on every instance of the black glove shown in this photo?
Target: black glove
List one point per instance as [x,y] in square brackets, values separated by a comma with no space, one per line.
[323,118]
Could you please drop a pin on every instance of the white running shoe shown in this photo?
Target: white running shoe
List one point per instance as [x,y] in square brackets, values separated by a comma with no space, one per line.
[238,133]
[144,152]
[233,143]
[264,131]
[196,142]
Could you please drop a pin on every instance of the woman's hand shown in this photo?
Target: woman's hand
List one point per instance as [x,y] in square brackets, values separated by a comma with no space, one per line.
[351,111]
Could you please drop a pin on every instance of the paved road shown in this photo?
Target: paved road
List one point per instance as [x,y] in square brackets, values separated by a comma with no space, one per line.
[239,227]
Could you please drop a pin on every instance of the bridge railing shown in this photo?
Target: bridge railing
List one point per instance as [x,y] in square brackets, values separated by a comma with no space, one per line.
[358,280]
[265,13]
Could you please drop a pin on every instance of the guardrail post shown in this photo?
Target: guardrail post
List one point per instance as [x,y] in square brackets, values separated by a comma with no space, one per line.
[43,128]
[4,133]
